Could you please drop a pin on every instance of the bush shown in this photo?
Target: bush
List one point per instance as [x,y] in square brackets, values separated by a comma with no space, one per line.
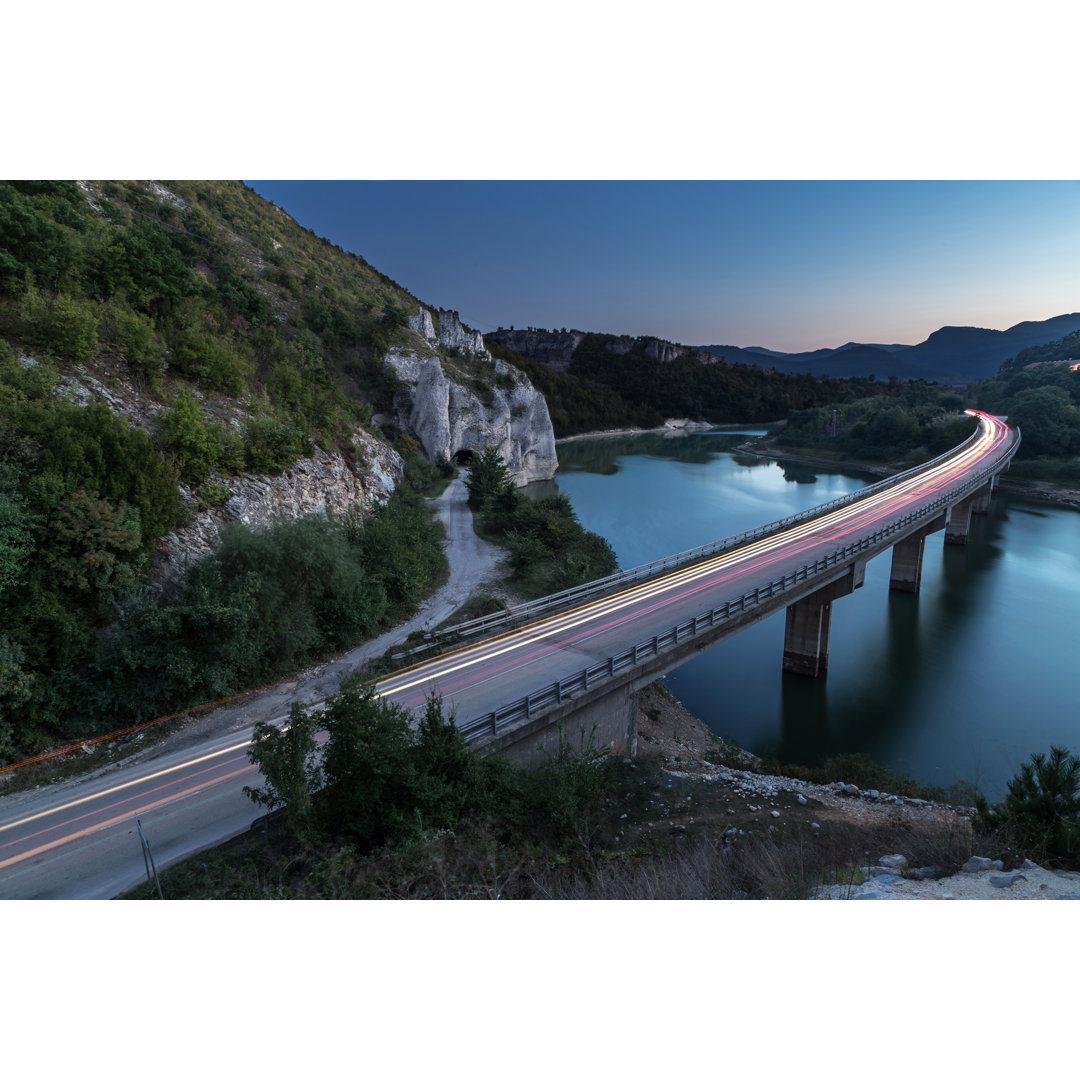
[1042,809]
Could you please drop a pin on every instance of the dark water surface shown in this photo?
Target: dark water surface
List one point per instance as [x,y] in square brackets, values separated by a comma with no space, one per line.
[961,682]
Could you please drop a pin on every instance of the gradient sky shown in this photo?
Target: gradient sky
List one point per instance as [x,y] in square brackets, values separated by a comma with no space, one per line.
[790,265]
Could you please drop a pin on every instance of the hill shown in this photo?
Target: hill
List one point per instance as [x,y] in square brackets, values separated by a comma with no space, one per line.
[596,381]
[179,363]
[954,355]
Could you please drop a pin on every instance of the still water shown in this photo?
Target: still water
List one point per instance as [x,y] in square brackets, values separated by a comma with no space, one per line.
[962,682]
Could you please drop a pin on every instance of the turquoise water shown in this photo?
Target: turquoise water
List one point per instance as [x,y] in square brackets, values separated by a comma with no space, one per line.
[961,682]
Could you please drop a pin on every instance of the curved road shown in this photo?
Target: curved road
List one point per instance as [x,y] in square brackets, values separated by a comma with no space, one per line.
[80,840]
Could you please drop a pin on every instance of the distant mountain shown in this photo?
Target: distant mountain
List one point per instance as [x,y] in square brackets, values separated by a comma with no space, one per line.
[951,355]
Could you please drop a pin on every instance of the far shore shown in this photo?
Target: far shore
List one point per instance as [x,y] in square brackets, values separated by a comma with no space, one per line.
[1038,490]
[688,429]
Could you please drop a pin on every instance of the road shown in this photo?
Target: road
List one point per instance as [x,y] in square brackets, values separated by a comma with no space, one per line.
[79,839]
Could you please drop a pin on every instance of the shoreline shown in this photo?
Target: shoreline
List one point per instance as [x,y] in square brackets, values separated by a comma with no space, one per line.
[694,427]
[1036,490]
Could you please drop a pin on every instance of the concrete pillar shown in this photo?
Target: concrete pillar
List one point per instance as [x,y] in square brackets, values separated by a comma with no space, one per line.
[956,528]
[806,637]
[907,564]
[981,499]
[806,631]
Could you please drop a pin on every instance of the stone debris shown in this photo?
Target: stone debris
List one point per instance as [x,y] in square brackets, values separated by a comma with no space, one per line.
[977,883]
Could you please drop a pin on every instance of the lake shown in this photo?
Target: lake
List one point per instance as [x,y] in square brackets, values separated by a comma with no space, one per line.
[961,682]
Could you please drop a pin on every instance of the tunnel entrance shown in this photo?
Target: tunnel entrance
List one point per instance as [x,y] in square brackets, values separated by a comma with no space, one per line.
[464,457]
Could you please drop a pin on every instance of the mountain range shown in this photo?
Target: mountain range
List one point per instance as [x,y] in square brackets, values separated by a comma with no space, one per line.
[953,355]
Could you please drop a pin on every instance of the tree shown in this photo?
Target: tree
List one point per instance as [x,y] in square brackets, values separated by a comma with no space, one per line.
[1043,805]
[489,481]
[289,765]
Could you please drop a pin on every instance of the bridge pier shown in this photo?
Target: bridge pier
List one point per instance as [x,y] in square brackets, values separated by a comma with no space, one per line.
[906,574]
[981,499]
[959,522]
[806,633]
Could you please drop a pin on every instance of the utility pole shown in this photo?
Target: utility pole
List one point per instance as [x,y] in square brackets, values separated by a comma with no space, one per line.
[148,858]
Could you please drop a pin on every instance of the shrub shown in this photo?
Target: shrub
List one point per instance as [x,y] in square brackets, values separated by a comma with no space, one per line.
[1042,808]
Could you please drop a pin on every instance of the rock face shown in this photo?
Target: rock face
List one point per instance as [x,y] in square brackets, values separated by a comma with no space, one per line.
[451,334]
[447,417]
[328,483]
[554,348]
[451,408]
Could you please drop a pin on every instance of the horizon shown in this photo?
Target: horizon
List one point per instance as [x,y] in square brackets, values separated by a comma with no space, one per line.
[783,265]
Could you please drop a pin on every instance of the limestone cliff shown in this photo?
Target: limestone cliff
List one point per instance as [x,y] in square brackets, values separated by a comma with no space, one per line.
[465,400]
[326,483]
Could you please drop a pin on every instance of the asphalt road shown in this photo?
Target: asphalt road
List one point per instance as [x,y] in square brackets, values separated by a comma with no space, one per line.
[79,839]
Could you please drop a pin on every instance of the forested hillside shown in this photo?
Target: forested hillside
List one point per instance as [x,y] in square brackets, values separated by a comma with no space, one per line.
[251,341]
[605,388]
[1039,389]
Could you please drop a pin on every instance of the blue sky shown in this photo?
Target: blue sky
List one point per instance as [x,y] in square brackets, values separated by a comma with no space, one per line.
[789,265]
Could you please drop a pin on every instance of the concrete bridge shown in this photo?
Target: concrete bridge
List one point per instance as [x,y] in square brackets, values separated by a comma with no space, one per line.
[542,669]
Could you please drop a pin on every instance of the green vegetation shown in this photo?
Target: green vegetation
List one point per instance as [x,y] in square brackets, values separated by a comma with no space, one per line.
[549,549]
[85,648]
[913,421]
[1045,401]
[1040,817]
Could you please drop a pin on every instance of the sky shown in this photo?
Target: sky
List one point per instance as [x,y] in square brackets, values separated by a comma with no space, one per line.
[789,265]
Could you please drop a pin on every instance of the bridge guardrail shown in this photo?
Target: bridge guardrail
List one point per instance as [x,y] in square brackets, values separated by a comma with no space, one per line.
[554,694]
[595,588]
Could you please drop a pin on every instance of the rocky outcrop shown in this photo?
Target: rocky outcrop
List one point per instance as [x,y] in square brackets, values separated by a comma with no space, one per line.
[446,416]
[327,483]
[556,347]
[451,332]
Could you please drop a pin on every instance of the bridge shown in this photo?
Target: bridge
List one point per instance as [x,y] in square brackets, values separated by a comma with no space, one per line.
[563,663]
[520,686]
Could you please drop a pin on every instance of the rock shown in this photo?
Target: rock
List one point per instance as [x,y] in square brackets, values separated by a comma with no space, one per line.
[775,813]
[871,794]
[1029,865]
[878,871]
[976,865]
[1005,881]
[800,799]
[895,862]
[872,895]
[926,872]
[814,825]
[325,483]
[447,417]
[850,789]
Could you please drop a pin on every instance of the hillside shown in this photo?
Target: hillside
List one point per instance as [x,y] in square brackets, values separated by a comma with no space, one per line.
[594,381]
[187,375]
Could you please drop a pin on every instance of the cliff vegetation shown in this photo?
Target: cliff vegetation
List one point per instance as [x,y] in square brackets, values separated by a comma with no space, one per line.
[157,344]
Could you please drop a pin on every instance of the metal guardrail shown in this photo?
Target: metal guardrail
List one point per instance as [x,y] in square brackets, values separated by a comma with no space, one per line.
[593,589]
[555,694]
